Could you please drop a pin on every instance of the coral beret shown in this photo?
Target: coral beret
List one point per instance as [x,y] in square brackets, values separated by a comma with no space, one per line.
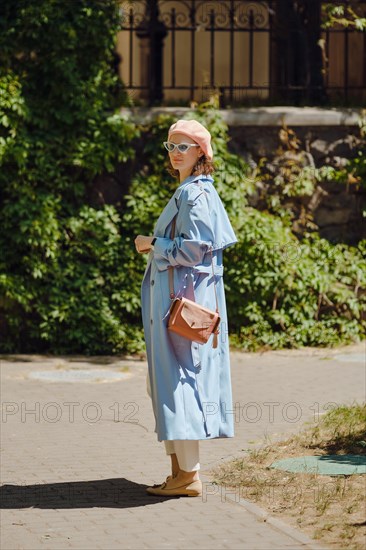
[196,131]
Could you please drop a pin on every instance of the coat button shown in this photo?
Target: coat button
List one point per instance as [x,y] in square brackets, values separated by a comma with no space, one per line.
[151,321]
[152,282]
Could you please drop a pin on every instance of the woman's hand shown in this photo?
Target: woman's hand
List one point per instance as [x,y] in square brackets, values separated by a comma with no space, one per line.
[143,244]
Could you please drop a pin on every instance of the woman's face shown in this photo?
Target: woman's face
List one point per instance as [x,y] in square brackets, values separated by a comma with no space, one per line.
[184,162]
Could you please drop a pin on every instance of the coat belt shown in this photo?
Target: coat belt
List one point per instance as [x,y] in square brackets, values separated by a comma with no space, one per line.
[218,269]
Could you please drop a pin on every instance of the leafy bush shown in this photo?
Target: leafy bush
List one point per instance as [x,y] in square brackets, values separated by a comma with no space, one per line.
[69,273]
[293,293]
[61,263]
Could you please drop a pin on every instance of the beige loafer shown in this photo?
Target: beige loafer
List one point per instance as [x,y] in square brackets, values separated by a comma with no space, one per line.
[192,489]
[160,484]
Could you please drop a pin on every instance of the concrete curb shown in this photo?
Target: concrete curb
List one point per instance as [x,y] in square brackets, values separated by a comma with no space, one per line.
[266,517]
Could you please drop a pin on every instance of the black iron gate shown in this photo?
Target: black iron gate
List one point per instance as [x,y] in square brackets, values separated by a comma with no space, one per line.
[297,64]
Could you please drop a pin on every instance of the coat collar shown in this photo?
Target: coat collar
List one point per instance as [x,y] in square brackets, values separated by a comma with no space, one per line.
[171,208]
[191,179]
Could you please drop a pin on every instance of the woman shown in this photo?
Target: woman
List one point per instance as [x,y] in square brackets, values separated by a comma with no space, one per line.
[189,384]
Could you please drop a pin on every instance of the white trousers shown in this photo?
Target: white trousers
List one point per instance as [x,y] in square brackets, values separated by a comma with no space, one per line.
[187,450]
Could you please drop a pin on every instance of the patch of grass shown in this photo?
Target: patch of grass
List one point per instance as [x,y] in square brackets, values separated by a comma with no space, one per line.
[330,508]
[341,431]
[61,366]
[124,369]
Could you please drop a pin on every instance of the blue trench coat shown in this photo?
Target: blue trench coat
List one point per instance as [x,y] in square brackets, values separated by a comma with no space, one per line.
[189,383]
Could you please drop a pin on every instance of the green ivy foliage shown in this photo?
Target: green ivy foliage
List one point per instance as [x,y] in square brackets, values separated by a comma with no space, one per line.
[286,293]
[62,283]
[70,276]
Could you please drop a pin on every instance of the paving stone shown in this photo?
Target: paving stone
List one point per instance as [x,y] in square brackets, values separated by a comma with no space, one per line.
[80,484]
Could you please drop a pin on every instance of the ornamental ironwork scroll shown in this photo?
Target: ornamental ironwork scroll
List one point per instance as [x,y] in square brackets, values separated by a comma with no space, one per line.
[219,20]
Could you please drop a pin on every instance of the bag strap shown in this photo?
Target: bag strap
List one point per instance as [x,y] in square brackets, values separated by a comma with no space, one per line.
[171,275]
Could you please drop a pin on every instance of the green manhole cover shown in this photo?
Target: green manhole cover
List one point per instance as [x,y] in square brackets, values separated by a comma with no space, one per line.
[79,375]
[330,465]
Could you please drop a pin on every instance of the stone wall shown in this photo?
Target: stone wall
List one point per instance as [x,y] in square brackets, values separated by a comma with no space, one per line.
[336,209]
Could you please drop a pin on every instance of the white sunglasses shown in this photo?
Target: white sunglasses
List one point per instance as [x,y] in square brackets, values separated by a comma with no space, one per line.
[182,147]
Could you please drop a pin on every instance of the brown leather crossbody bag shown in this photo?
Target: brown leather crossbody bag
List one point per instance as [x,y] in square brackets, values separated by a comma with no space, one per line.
[189,319]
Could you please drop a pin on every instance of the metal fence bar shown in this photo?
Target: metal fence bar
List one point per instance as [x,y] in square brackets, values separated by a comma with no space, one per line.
[327,46]
[232,50]
[345,61]
[248,18]
[270,39]
[193,44]
[131,29]
[251,33]
[173,47]
[212,48]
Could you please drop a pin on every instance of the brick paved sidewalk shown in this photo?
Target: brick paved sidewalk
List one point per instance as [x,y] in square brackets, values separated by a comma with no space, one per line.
[76,457]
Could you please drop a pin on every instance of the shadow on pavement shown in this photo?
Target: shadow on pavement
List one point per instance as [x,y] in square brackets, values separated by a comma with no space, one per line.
[103,493]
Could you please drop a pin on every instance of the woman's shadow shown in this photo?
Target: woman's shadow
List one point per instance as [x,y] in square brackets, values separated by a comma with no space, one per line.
[101,493]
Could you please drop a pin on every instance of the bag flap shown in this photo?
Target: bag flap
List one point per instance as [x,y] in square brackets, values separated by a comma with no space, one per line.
[196,317]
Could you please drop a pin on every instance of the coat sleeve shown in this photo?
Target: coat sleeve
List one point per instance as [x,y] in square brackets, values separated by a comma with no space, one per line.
[194,235]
